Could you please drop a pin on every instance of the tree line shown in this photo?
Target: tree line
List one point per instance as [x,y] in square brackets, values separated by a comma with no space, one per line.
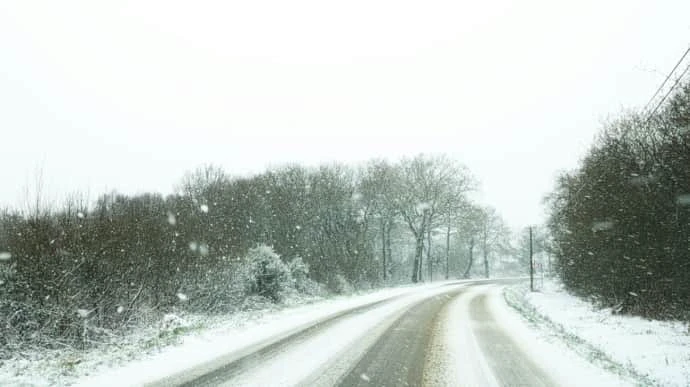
[69,273]
[620,222]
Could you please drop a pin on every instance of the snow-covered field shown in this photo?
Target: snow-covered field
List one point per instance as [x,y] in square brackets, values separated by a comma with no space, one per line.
[143,356]
[652,352]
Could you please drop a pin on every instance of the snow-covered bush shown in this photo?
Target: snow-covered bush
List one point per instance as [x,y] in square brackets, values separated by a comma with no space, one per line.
[340,285]
[172,324]
[299,270]
[364,284]
[255,302]
[8,274]
[263,273]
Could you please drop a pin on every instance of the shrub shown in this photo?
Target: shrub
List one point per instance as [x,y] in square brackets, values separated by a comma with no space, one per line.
[264,274]
[340,285]
[299,270]
[172,325]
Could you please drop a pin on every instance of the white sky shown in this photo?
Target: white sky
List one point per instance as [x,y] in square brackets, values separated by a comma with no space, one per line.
[128,95]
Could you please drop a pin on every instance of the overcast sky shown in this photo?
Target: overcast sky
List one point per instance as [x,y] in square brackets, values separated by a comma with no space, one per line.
[128,95]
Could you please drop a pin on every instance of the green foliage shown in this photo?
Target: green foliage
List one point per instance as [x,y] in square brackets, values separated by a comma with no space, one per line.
[620,223]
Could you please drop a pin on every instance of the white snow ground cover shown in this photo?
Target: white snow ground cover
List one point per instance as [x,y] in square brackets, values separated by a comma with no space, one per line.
[321,359]
[211,348]
[139,359]
[458,356]
[652,352]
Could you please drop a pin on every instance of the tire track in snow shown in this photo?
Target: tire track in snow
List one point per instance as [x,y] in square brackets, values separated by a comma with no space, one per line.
[255,356]
[509,364]
[400,354]
[325,351]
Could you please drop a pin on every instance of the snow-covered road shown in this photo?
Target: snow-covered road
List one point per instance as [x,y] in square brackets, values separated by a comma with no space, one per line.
[453,335]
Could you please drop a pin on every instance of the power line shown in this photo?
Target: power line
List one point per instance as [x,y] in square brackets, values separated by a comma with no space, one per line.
[667,78]
[670,90]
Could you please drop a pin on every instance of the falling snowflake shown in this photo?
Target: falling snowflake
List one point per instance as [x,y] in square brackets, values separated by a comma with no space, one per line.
[203,250]
[683,200]
[83,313]
[120,309]
[80,215]
[182,296]
[638,180]
[204,208]
[5,255]
[421,207]
[364,377]
[171,219]
[602,226]
[193,246]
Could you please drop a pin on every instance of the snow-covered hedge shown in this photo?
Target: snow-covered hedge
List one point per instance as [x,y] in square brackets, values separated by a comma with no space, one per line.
[301,282]
[263,273]
[340,285]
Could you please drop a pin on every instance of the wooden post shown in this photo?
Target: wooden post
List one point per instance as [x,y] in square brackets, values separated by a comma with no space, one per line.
[531,262]
[448,247]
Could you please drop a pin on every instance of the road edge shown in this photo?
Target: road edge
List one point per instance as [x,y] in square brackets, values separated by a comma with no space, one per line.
[590,352]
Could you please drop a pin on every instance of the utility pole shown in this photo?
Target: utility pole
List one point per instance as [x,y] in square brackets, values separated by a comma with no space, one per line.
[448,248]
[428,255]
[531,262]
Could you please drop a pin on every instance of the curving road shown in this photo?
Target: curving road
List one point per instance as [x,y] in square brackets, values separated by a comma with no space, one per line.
[448,336]
[399,356]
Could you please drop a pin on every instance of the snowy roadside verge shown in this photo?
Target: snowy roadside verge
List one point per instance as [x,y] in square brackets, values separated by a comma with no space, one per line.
[144,355]
[145,352]
[211,348]
[563,366]
[650,352]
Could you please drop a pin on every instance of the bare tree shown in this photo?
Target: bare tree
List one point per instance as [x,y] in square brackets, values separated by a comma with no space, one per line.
[197,184]
[469,227]
[427,184]
[493,234]
[378,188]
